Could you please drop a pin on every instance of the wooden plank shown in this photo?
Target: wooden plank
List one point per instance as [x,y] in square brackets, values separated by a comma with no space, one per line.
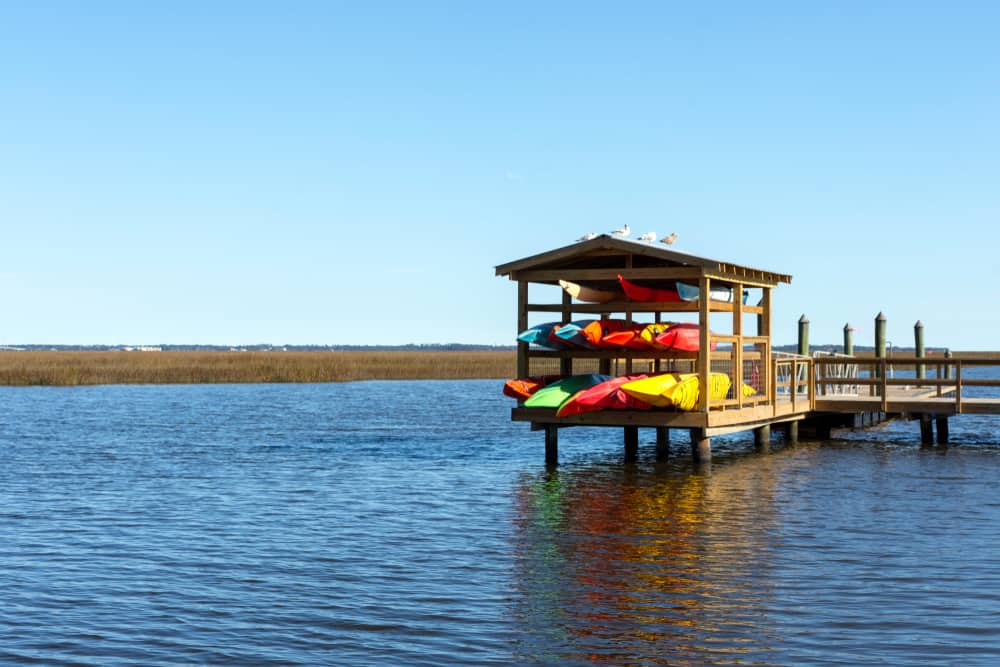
[638,307]
[578,275]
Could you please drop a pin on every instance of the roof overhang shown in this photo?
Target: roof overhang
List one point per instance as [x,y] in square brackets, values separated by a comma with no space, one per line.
[603,257]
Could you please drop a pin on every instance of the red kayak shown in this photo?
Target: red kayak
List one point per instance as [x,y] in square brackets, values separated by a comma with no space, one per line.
[523,388]
[596,331]
[604,396]
[682,337]
[643,293]
[630,338]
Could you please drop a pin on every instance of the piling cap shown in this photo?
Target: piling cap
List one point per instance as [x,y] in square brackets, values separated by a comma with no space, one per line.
[848,327]
[918,325]
[880,317]
[803,319]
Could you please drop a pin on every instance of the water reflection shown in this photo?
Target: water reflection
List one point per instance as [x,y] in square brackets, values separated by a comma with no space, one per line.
[650,565]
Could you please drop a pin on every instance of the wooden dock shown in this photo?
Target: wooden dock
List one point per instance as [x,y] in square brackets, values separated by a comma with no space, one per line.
[816,392]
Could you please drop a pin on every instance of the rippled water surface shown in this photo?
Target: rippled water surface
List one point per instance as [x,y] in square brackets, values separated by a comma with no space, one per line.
[410,523]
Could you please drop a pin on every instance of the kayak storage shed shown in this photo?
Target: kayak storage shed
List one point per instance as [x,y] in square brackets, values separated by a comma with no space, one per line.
[734,334]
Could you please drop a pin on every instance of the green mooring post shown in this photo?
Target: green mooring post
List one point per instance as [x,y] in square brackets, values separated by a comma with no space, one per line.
[848,340]
[918,339]
[879,341]
[804,335]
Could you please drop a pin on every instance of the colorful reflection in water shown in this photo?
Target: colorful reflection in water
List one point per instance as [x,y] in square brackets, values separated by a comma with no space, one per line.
[630,565]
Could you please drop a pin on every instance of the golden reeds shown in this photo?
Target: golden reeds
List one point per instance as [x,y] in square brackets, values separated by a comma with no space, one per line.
[87,368]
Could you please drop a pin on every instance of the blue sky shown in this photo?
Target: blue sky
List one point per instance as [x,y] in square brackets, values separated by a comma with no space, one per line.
[348,173]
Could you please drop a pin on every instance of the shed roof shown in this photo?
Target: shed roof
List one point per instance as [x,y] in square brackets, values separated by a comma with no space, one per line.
[606,251]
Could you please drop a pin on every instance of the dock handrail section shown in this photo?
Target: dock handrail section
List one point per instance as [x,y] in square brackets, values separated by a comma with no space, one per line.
[944,376]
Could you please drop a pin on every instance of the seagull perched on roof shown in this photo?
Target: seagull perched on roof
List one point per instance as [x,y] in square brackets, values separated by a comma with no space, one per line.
[622,231]
[587,237]
[669,240]
[648,236]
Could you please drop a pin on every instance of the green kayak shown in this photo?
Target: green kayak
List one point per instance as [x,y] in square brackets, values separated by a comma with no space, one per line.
[557,393]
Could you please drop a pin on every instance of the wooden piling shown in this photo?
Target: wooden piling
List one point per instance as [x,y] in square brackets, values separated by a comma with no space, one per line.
[762,438]
[942,430]
[926,430]
[662,443]
[631,444]
[804,336]
[879,341]
[551,445]
[848,340]
[918,340]
[792,432]
[701,446]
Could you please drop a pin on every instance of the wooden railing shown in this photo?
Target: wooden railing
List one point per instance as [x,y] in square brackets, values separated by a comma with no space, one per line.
[943,375]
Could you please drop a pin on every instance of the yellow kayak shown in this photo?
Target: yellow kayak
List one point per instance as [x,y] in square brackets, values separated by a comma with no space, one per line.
[680,390]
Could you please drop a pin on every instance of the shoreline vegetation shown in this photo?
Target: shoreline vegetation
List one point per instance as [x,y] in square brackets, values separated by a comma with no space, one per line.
[76,368]
[63,368]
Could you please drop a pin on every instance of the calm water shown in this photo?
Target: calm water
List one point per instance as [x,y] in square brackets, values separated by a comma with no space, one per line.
[412,524]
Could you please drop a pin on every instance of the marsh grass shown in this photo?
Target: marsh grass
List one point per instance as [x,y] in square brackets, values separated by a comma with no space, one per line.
[89,368]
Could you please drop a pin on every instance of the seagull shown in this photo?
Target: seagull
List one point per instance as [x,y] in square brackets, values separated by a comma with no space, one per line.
[587,237]
[648,236]
[669,240]
[622,231]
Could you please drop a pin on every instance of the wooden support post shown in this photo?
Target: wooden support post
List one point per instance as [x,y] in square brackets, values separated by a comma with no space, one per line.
[823,430]
[551,445]
[942,429]
[804,336]
[701,446]
[522,324]
[631,444]
[848,340]
[926,430]
[704,348]
[918,339]
[662,443]
[604,365]
[566,363]
[793,432]
[762,438]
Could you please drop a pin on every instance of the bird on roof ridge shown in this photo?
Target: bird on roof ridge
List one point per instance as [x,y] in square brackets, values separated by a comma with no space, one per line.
[669,240]
[648,236]
[622,231]
[587,237]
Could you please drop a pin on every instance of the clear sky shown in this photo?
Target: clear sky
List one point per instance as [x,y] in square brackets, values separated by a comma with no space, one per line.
[350,173]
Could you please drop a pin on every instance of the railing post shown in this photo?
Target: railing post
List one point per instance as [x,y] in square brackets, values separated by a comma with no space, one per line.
[958,387]
[918,340]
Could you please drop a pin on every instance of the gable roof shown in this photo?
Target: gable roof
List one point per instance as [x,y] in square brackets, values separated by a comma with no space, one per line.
[608,252]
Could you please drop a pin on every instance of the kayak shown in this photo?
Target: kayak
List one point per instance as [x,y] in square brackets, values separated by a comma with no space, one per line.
[590,294]
[682,337]
[541,335]
[679,390]
[523,388]
[572,334]
[596,331]
[636,337]
[604,396]
[690,293]
[643,293]
[557,393]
